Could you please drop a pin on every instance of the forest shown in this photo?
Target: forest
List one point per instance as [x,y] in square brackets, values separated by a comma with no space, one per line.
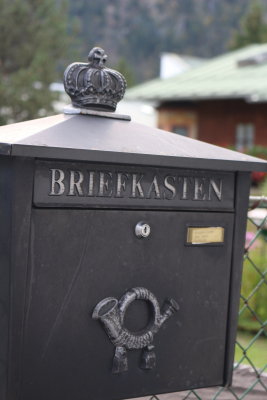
[39,38]
[134,33]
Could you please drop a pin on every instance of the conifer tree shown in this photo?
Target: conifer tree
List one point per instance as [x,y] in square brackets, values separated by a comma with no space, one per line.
[253,28]
[125,69]
[33,39]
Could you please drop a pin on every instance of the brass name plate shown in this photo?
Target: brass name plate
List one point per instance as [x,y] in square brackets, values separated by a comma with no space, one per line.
[203,235]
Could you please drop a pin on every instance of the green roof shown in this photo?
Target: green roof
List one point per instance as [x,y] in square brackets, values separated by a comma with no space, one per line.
[222,77]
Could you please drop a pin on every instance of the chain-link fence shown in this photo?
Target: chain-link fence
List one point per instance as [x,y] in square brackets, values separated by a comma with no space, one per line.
[250,369]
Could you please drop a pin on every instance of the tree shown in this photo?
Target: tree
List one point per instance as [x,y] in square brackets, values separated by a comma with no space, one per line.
[33,40]
[253,28]
[139,30]
[125,69]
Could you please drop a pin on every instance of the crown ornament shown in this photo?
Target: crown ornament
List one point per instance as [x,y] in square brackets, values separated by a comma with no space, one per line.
[92,85]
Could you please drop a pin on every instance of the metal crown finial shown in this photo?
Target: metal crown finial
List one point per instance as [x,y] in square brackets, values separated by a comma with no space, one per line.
[93,86]
[97,57]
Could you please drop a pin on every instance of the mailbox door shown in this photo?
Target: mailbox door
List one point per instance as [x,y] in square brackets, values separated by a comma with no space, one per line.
[79,257]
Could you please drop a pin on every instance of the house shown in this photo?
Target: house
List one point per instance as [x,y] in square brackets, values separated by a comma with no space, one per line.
[223,101]
[172,64]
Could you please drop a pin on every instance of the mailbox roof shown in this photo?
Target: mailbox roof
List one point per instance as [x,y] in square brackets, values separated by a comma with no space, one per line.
[106,140]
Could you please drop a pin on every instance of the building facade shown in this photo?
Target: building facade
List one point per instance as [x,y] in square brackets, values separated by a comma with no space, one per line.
[223,101]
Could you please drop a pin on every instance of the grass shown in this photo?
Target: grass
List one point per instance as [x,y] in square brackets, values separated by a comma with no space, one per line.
[253,307]
[257,353]
[253,304]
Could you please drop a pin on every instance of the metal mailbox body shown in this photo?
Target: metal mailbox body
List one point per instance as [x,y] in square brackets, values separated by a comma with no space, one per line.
[73,189]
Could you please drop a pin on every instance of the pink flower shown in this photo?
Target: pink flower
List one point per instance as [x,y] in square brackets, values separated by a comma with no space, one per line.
[249,237]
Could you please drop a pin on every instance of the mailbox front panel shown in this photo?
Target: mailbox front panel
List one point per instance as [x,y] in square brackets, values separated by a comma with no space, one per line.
[80,257]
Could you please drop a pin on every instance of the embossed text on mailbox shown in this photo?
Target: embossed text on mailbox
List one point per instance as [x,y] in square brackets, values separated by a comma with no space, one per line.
[91,185]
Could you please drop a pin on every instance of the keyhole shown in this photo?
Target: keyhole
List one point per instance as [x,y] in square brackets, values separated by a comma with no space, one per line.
[142,230]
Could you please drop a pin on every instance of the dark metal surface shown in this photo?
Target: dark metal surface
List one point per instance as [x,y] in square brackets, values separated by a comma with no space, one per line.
[246,385]
[16,183]
[249,381]
[5,212]
[20,287]
[71,241]
[102,140]
[92,85]
[111,313]
[67,355]
[241,205]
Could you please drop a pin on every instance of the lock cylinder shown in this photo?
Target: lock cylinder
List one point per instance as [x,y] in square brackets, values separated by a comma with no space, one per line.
[142,230]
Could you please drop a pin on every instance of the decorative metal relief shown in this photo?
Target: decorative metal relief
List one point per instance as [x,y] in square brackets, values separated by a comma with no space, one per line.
[111,313]
[92,85]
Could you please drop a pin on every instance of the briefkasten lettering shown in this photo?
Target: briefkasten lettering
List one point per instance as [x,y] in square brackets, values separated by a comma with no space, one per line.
[90,185]
[133,185]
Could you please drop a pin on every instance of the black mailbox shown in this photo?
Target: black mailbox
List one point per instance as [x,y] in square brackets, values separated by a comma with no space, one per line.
[121,258]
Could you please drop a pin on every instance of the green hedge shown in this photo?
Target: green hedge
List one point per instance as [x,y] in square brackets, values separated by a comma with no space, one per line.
[258,151]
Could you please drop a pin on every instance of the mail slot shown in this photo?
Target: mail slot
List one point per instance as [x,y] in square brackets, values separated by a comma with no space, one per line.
[121,253]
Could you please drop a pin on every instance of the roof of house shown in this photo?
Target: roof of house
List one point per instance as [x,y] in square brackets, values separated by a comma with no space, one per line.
[239,74]
[172,64]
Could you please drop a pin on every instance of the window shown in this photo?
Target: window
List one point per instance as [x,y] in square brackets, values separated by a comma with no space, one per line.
[244,137]
[180,130]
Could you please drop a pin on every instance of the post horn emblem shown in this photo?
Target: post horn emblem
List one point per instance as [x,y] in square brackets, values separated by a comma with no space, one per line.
[111,313]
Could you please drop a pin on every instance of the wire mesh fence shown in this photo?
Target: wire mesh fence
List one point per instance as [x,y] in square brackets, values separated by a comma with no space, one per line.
[250,368]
